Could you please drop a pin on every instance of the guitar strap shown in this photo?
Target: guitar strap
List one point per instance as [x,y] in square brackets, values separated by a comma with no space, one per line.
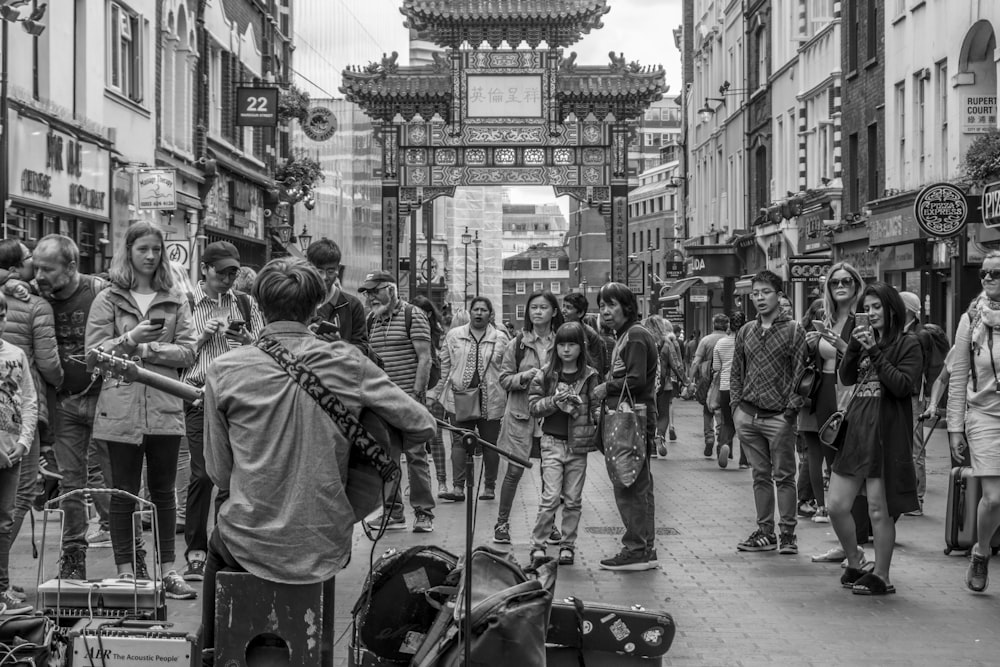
[363,445]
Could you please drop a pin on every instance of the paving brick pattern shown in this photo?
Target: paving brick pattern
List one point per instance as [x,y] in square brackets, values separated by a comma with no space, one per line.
[731,608]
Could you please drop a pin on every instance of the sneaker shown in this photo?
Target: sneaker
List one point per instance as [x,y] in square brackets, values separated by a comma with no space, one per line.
[99,538]
[424,523]
[456,495]
[759,541]
[12,605]
[788,544]
[661,446]
[566,556]
[442,489]
[651,555]
[744,466]
[977,577]
[501,533]
[723,456]
[555,537]
[821,516]
[18,593]
[394,523]
[489,493]
[176,588]
[673,434]
[537,553]
[627,561]
[807,509]
[73,564]
[195,570]
[709,446]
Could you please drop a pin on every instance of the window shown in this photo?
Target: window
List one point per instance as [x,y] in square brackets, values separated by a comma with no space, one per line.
[901,131]
[818,14]
[215,90]
[519,311]
[762,65]
[872,146]
[125,52]
[536,264]
[941,79]
[919,118]
[555,288]
[537,286]
[853,32]
[553,264]
[854,184]
[871,39]
[519,287]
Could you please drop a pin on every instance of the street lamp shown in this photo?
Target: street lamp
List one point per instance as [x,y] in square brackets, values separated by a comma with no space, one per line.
[706,112]
[477,241]
[305,238]
[10,13]
[466,240]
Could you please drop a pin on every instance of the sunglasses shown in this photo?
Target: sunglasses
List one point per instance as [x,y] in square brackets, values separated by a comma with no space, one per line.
[992,274]
[841,282]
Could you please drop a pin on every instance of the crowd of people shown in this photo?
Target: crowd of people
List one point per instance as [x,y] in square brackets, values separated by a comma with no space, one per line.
[861,355]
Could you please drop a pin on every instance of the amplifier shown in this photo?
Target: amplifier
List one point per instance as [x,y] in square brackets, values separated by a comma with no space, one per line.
[127,643]
[102,598]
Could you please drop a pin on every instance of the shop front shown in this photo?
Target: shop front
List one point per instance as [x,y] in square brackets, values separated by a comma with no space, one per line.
[58,184]
[807,270]
[850,245]
[719,268]
[234,212]
[899,244]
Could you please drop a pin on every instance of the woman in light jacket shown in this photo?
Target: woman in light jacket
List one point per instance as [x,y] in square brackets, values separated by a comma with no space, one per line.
[523,359]
[142,316]
[463,347]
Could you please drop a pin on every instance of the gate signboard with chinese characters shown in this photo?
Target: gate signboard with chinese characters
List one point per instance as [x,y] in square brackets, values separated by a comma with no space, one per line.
[505,117]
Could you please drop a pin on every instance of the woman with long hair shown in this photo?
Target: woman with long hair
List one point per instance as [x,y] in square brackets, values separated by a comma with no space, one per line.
[143,315]
[436,443]
[974,410]
[875,445]
[816,411]
[523,359]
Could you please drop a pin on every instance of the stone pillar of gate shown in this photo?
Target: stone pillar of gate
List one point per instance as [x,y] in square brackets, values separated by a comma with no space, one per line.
[390,199]
[619,202]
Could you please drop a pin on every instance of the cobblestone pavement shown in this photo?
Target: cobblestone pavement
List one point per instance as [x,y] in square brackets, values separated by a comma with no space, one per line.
[730,608]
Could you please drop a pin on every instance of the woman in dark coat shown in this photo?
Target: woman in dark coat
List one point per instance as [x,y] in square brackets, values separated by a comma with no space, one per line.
[885,365]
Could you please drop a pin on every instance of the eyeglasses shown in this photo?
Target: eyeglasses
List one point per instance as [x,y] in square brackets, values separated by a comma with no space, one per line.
[762,294]
[841,282]
[992,274]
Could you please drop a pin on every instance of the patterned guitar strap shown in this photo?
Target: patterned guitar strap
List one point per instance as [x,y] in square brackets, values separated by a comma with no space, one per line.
[363,446]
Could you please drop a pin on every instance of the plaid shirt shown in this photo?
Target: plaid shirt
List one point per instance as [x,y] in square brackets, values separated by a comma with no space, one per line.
[768,364]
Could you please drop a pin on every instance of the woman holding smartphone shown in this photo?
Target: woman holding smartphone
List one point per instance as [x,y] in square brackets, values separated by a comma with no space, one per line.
[142,316]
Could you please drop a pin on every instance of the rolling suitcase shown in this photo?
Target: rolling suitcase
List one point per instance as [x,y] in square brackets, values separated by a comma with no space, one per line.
[960,531]
[610,629]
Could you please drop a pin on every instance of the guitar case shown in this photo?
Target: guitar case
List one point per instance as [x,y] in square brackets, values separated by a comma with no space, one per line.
[630,631]
[392,616]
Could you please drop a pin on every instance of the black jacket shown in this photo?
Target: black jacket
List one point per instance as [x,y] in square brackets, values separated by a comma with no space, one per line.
[349,315]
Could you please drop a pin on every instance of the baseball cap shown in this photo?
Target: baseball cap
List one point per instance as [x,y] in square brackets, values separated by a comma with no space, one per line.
[377,279]
[911,301]
[221,255]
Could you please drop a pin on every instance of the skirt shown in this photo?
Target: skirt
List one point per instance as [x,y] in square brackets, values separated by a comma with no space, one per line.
[860,455]
[982,430]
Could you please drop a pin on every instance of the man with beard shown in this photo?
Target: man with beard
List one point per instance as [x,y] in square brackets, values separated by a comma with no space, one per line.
[768,360]
[401,336]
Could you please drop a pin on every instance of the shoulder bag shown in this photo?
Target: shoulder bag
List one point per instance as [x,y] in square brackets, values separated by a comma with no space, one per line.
[829,432]
[370,469]
[623,433]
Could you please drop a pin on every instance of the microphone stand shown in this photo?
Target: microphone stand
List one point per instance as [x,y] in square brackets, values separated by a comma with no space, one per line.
[469,442]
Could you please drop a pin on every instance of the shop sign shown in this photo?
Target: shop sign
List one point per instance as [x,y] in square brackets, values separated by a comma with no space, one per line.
[57,169]
[899,257]
[320,124]
[257,106]
[979,113]
[674,270]
[723,262]
[812,231]
[991,205]
[858,256]
[157,189]
[890,227]
[941,210]
[698,294]
[808,269]
[696,265]
[180,252]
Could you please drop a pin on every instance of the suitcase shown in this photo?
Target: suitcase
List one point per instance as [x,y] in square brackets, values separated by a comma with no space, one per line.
[610,629]
[960,531]
[125,643]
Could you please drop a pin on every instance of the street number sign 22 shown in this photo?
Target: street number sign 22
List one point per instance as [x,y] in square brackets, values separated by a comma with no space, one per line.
[257,106]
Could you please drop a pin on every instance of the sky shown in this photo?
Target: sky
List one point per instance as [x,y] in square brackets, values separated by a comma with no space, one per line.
[642,30]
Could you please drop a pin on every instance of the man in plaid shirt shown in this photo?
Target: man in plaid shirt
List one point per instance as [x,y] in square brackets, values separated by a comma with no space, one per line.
[768,362]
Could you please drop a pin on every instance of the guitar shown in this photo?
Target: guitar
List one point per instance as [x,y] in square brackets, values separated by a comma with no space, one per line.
[364,483]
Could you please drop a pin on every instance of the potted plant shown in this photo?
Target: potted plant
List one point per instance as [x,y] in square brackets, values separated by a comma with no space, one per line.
[293,103]
[982,160]
[299,175]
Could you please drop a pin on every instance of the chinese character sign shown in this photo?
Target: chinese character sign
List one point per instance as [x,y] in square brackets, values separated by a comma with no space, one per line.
[505,96]
[979,113]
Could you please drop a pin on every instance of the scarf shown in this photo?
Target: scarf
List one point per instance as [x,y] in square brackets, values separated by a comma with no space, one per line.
[983,313]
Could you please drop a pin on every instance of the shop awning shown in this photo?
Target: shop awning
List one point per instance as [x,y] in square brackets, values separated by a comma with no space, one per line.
[743,287]
[678,289]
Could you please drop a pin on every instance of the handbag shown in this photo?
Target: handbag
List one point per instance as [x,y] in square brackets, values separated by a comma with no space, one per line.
[623,433]
[370,468]
[829,432]
[809,382]
[713,402]
[468,404]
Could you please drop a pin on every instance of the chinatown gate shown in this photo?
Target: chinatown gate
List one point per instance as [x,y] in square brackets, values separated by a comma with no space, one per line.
[492,116]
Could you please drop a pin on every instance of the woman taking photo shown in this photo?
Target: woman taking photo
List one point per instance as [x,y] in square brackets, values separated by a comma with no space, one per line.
[143,316]
[974,410]
[875,443]
[520,433]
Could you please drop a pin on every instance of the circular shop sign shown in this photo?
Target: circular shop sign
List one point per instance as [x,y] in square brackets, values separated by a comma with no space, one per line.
[941,210]
[320,124]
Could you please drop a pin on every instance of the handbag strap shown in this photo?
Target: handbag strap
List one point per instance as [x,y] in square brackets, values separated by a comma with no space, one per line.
[362,443]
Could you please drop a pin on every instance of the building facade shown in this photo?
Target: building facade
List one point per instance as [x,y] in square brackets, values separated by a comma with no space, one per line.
[538,269]
[526,225]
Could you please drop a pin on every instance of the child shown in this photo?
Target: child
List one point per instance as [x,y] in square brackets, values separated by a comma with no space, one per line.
[563,396]
[18,417]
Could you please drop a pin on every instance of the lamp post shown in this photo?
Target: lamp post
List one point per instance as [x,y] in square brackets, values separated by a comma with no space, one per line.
[477,241]
[10,13]
[466,240]
[305,238]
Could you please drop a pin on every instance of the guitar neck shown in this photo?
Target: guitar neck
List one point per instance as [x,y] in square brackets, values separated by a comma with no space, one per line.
[166,385]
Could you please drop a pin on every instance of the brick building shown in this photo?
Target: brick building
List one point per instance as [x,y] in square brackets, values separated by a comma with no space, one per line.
[540,268]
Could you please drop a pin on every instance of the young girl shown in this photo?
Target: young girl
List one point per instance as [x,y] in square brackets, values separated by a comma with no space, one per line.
[564,397]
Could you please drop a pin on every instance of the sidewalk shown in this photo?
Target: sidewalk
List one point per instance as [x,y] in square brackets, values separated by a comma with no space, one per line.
[730,608]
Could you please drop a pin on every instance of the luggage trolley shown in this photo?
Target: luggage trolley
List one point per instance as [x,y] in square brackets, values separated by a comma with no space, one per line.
[69,600]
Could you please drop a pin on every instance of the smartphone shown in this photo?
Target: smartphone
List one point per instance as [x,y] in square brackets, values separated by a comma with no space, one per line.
[157,322]
[235,326]
[861,320]
[819,326]
[324,328]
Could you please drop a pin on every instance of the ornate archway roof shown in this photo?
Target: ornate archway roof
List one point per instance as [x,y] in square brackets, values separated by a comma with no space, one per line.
[449,23]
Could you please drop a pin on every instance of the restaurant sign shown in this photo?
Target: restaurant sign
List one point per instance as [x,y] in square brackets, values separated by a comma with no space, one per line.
[991,205]
[941,210]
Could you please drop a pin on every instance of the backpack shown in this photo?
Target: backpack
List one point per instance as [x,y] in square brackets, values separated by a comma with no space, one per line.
[242,302]
[938,350]
[435,375]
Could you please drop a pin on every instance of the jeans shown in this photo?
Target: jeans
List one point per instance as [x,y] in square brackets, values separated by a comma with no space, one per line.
[199,490]
[27,482]
[770,445]
[563,476]
[183,478]
[637,504]
[727,430]
[708,426]
[8,492]
[74,423]
[489,430]
[508,489]
[919,448]
[221,560]
[160,454]
[99,477]
[419,475]
[437,448]
[803,481]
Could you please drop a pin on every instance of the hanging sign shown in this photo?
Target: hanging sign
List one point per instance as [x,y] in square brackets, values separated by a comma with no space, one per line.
[941,210]
[157,189]
[320,124]
[257,107]
[991,205]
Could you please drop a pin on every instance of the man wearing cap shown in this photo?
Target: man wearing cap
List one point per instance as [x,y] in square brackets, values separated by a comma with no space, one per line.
[222,319]
[401,336]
